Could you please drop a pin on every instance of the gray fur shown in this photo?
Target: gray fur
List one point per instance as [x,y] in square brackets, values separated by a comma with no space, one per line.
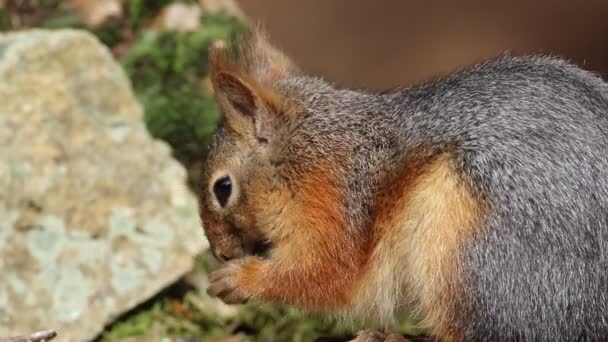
[530,135]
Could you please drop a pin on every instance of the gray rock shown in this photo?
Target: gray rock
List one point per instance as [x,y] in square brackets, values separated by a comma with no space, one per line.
[95,216]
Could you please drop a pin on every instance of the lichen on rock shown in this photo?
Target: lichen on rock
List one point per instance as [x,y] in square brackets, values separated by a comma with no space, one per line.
[95,215]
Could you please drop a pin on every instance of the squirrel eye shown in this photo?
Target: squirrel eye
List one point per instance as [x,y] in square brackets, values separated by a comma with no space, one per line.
[222,190]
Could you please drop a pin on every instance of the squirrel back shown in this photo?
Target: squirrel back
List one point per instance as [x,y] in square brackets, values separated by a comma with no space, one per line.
[478,200]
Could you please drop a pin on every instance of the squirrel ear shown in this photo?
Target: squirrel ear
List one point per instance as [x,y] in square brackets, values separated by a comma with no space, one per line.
[235,93]
[263,59]
[256,57]
[249,108]
[243,83]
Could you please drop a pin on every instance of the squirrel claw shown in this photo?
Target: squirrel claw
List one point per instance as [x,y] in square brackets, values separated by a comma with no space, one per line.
[223,284]
[376,336]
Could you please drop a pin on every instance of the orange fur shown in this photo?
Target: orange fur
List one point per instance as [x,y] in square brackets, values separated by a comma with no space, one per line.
[315,261]
[422,220]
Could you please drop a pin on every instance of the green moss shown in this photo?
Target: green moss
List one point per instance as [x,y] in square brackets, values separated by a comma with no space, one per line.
[168,70]
[188,318]
[139,11]
[137,325]
[5,20]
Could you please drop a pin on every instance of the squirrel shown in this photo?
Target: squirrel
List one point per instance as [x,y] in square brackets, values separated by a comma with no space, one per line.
[476,200]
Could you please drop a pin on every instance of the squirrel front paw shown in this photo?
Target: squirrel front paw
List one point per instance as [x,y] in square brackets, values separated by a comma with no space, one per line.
[375,336]
[224,284]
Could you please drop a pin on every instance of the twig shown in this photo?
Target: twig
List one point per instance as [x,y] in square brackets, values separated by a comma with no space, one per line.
[39,336]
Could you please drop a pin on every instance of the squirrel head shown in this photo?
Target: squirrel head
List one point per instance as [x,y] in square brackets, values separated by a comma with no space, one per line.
[241,167]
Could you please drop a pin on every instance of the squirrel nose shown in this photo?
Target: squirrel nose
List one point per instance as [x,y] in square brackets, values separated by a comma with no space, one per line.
[223,256]
[229,254]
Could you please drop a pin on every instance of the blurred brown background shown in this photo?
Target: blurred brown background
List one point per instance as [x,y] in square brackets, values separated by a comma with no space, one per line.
[380,44]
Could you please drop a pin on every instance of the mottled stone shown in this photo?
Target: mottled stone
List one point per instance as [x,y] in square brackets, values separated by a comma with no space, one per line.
[95,216]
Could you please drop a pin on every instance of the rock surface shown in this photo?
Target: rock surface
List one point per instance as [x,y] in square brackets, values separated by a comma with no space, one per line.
[230,7]
[94,214]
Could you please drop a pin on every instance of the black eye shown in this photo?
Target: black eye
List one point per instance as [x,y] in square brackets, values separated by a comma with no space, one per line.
[222,190]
